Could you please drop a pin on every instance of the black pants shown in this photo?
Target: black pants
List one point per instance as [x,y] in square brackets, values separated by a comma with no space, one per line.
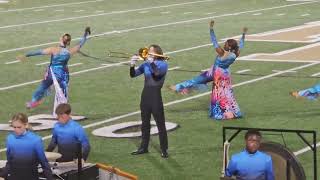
[151,103]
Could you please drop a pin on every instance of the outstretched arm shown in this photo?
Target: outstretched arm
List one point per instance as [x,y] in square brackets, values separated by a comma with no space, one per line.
[214,41]
[82,41]
[47,51]
[241,42]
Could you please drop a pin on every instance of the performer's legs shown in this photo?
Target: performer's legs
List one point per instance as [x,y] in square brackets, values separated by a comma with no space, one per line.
[145,127]
[158,115]
[198,83]
[40,92]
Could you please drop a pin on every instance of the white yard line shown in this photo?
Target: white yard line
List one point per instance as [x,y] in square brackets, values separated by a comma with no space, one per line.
[43,63]
[75,64]
[174,68]
[12,62]
[103,14]
[315,75]
[243,71]
[188,98]
[281,71]
[50,6]
[154,26]
[306,149]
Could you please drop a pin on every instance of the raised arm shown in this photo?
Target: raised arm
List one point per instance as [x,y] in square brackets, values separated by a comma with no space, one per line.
[241,42]
[214,41]
[82,41]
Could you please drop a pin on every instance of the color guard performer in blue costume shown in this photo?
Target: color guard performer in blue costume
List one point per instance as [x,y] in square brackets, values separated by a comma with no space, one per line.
[154,69]
[223,103]
[311,93]
[58,66]
[67,135]
[25,152]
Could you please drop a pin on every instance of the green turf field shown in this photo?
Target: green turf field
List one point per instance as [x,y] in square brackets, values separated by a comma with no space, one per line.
[101,92]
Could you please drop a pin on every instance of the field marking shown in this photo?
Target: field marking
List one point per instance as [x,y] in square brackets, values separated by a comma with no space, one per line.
[281,14]
[243,71]
[75,64]
[43,63]
[281,71]
[38,10]
[303,150]
[185,13]
[187,99]
[165,12]
[3,1]
[49,6]
[305,15]
[257,14]
[12,62]
[315,74]
[154,26]
[104,14]
[255,57]
[174,68]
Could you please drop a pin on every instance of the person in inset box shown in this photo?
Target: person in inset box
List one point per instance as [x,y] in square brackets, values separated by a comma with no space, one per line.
[67,134]
[251,164]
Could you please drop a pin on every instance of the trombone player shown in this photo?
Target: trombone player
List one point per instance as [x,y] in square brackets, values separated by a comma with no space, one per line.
[154,69]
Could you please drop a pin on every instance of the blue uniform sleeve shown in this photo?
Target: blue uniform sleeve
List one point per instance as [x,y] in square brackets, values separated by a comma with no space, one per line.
[159,70]
[35,53]
[83,139]
[214,39]
[53,143]
[137,72]
[43,160]
[241,43]
[269,170]
[231,169]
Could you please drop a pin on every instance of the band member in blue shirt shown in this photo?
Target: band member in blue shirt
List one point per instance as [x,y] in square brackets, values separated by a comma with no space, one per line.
[251,164]
[67,134]
[154,69]
[25,152]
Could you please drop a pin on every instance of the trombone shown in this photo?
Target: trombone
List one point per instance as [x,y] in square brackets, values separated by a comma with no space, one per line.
[142,53]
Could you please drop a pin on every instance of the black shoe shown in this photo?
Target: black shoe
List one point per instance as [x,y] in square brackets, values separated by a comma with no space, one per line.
[164,154]
[140,151]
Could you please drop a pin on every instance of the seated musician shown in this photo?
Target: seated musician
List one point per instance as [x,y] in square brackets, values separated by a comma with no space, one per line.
[68,134]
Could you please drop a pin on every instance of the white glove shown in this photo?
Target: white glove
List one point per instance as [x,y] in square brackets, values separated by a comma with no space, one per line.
[134,59]
[150,59]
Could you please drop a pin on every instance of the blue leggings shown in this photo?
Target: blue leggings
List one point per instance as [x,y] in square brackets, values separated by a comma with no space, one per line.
[42,90]
[197,83]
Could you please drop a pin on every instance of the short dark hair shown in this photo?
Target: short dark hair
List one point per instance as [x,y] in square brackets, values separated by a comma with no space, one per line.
[63,108]
[251,132]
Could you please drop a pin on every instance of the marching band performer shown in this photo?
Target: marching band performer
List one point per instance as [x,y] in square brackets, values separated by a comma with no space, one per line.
[223,103]
[67,134]
[25,152]
[154,70]
[58,69]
